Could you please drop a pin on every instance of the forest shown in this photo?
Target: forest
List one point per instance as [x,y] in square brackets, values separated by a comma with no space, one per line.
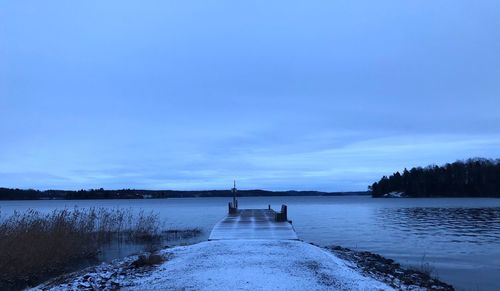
[476,177]
[31,194]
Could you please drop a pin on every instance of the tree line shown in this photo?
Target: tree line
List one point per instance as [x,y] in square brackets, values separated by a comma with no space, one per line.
[31,194]
[471,178]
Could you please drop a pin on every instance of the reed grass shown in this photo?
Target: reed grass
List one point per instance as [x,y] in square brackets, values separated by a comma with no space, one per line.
[35,245]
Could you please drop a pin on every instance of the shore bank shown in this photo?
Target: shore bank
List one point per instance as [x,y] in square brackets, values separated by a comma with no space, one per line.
[390,272]
[230,265]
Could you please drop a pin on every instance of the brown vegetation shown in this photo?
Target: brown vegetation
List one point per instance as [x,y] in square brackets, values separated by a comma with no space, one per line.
[36,245]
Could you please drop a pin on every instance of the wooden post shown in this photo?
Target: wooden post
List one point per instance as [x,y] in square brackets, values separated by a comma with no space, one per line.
[283,215]
[233,207]
[284,211]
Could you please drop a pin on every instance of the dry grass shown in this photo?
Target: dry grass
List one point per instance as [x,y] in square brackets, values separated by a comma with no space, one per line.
[176,234]
[424,268]
[35,245]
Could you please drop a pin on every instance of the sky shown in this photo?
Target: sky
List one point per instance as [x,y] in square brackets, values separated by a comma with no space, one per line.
[279,95]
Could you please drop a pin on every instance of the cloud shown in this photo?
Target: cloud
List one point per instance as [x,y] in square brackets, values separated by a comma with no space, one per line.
[282,95]
[303,164]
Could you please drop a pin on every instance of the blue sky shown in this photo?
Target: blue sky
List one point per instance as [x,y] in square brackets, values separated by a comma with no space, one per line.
[316,95]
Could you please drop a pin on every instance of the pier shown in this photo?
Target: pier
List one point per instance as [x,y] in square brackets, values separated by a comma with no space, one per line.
[253,224]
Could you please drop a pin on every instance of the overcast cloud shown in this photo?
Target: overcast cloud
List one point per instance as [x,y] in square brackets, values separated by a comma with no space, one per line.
[317,95]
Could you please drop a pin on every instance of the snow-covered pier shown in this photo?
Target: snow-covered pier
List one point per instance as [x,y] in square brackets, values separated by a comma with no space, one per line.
[253,224]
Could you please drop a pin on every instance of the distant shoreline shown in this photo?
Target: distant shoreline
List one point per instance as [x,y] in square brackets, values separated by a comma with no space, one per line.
[94,194]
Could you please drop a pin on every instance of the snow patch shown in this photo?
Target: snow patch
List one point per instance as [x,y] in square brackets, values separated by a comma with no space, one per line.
[234,265]
[394,194]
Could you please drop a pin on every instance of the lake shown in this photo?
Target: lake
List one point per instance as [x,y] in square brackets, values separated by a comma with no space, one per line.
[458,237]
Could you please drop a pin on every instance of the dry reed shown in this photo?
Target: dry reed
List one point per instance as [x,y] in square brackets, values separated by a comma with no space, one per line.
[35,245]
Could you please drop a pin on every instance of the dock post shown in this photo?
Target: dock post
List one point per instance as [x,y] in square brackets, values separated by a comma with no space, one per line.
[283,215]
[233,207]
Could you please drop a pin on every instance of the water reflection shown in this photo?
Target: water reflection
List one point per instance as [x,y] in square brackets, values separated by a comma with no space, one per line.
[121,248]
[452,224]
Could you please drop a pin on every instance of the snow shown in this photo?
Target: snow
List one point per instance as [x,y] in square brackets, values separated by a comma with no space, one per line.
[237,265]
[394,194]
[252,224]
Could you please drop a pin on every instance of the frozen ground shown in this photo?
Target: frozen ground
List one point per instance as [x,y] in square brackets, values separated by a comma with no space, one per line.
[229,265]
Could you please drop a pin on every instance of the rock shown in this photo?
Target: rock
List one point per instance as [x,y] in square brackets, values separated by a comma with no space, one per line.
[84,285]
[388,270]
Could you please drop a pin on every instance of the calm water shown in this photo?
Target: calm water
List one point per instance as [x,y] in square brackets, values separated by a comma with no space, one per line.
[459,238]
